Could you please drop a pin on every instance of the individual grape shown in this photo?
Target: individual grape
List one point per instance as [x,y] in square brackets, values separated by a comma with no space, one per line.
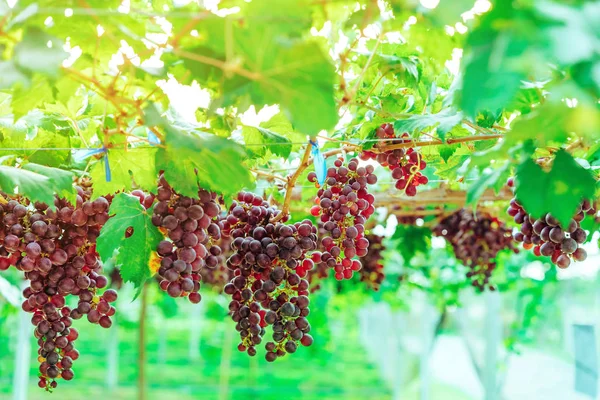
[563,261]
[580,254]
[568,246]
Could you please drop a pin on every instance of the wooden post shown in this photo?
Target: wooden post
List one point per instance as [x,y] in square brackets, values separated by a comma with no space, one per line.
[162,342]
[225,367]
[493,338]
[112,362]
[195,332]
[22,356]
[142,346]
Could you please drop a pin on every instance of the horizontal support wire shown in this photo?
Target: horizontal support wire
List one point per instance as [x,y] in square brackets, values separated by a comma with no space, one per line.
[382,183]
[420,144]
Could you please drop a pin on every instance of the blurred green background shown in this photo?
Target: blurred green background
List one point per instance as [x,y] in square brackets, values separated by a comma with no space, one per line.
[400,343]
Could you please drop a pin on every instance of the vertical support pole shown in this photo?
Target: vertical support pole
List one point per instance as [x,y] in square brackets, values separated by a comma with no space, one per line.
[424,373]
[162,342]
[225,368]
[195,332]
[22,356]
[493,338]
[142,346]
[112,373]
[398,357]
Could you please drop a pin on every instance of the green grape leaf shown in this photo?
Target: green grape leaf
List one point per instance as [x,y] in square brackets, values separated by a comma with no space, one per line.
[218,163]
[28,148]
[30,184]
[546,124]
[134,253]
[573,34]
[488,178]
[411,240]
[443,121]
[259,140]
[40,52]
[446,151]
[23,101]
[492,76]
[448,12]
[60,181]
[557,192]
[281,17]
[134,165]
[298,76]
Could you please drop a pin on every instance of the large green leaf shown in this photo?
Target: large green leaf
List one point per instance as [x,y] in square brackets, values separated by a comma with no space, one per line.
[557,192]
[492,72]
[60,181]
[297,75]
[213,162]
[260,140]
[26,98]
[135,251]
[574,32]
[197,158]
[546,124]
[30,184]
[448,12]
[489,177]
[27,140]
[443,121]
[280,17]
[134,165]
[411,240]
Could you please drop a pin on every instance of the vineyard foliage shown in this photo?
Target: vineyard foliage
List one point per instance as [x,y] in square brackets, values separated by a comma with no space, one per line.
[362,104]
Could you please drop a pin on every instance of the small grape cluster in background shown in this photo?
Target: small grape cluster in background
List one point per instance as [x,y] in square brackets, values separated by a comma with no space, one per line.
[476,240]
[406,164]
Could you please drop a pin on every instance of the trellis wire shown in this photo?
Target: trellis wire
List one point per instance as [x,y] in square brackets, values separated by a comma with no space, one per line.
[385,183]
[241,144]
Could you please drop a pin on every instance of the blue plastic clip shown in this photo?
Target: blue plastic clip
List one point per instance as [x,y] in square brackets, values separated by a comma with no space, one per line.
[319,162]
[84,154]
[152,138]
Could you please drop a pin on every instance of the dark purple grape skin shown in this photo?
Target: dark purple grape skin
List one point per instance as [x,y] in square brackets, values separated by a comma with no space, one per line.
[557,235]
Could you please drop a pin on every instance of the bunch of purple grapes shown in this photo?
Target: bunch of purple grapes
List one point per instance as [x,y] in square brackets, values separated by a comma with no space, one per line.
[267,289]
[406,164]
[344,205]
[371,272]
[476,240]
[57,253]
[193,230]
[547,237]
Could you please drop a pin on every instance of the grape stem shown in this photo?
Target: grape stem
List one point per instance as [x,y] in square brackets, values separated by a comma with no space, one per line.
[142,345]
[291,182]
[269,176]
